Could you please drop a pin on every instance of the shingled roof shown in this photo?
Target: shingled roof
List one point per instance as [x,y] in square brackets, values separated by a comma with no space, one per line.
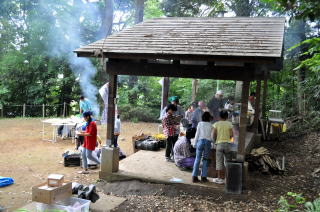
[166,37]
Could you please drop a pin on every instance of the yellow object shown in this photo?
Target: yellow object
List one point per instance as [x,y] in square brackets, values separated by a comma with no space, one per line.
[159,137]
[223,131]
[283,126]
[231,139]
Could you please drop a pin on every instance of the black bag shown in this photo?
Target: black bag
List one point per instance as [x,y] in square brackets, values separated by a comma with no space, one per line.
[71,159]
[149,144]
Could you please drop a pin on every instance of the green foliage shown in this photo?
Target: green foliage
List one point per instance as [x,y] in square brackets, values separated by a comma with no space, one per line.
[138,113]
[294,202]
[184,8]
[313,206]
[312,53]
[152,9]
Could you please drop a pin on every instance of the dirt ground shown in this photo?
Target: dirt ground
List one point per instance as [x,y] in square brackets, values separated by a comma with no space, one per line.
[29,160]
[261,194]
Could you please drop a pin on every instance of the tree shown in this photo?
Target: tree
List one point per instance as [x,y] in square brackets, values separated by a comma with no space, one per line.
[106,12]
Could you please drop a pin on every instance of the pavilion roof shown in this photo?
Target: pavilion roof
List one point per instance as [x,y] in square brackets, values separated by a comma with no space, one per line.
[194,38]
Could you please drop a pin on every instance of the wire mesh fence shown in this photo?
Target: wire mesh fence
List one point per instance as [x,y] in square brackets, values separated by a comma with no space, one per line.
[44,110]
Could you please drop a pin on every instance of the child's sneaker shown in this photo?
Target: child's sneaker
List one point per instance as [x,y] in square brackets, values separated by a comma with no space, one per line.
[218,181]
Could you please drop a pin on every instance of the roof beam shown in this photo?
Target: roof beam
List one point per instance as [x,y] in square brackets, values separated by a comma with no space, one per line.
[210,71]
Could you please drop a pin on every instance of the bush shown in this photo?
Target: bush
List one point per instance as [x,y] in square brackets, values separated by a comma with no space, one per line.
[296,202]
[138,113]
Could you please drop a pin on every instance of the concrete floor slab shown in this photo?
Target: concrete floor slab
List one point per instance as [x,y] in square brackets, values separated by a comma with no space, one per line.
[152,167]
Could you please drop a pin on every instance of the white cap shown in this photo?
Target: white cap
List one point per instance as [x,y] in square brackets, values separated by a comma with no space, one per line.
[219,92]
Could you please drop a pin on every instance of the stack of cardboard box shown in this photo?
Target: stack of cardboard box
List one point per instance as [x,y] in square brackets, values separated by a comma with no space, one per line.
[53,190]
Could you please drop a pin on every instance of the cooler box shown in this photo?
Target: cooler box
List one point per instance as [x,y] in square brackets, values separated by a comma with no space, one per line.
[71,204]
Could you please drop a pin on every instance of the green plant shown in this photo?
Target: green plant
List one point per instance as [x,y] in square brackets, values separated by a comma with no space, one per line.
[292,202]
[296,202]
[313,206]
[135,119]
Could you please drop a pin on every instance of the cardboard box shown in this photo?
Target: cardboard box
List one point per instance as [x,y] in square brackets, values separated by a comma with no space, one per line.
[48,195]
[55,180]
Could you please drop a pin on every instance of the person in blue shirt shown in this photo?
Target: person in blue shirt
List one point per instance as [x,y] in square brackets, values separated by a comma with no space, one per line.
[117,126]
[85,105]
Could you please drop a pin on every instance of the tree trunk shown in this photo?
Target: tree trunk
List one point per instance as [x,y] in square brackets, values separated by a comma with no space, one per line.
[238,91]
[107,20]
[139,10]
[300,30]
[264,98]
[300,93]
[240,8]
[194,90]
[165,92]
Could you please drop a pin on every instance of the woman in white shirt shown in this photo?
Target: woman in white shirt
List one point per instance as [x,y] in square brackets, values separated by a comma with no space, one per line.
[203,140]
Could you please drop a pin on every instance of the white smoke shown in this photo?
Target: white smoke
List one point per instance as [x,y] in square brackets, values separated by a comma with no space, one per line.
[66,35]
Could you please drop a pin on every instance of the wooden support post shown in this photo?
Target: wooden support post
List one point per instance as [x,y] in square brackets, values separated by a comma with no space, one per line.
[264,98]
[24,110]
[257,106]
[165,92]
[112,94]
[64,109]
[43,111]
[243,119]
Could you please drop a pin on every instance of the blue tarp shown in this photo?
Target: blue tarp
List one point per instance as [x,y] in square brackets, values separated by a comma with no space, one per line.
[5,181]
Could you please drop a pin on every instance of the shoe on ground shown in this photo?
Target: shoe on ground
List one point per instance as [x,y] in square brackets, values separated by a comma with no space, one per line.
[169,160]
[204,180]
[195,179]
[185,169]
[218,181]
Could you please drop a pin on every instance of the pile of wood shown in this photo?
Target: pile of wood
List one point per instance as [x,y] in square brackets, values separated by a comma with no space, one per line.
[260,159]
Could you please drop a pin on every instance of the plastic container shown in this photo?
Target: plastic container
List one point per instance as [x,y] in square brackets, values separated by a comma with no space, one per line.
[71,204]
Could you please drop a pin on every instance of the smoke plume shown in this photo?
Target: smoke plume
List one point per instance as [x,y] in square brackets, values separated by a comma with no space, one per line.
[66,35]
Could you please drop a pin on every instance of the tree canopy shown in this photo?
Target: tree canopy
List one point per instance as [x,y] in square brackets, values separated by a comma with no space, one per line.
[37,65]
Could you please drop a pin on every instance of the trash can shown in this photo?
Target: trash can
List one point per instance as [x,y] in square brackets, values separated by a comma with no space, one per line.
[234,177]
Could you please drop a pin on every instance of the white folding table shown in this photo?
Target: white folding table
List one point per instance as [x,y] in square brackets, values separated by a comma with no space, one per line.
[55,123]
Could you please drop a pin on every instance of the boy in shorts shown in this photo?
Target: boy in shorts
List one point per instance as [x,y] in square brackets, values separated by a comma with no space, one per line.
[222,134]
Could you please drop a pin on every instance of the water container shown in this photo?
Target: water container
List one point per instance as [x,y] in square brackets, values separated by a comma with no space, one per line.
[71,204]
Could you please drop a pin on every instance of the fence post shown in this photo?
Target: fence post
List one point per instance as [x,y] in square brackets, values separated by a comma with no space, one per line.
[43,110]
[2,111]
[24,110]
[64,109]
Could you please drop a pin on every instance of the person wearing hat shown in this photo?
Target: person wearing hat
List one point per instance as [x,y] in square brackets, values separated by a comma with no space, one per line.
[179,112]
[216,104]
[90,141]
[169,123]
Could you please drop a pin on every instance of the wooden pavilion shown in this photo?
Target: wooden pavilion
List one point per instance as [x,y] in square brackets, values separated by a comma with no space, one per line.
[239,48]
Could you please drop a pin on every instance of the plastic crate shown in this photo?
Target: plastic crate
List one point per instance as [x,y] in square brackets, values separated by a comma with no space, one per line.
[71,204]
